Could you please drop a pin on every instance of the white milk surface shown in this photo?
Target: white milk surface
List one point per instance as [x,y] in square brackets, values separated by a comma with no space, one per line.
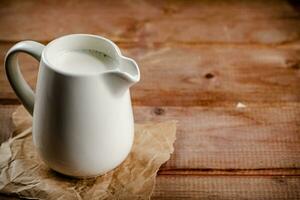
[83,62]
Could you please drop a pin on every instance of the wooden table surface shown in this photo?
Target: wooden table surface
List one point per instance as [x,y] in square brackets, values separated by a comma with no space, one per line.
[199,60]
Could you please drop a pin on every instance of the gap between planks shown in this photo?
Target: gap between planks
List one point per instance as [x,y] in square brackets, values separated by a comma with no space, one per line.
[286,44]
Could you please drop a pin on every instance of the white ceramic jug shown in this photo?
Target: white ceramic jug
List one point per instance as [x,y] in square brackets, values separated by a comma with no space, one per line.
[82,122]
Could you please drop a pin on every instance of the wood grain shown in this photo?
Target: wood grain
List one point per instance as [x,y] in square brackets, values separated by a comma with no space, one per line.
[227,187]
[199,75]
[227,140]
[249,22]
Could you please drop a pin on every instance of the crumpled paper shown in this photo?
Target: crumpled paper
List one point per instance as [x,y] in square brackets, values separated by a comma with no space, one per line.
[23,174]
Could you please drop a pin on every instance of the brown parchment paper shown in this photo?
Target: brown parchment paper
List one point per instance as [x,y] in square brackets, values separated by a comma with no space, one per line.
[25,175]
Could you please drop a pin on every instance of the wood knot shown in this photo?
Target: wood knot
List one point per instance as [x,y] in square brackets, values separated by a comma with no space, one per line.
[293,64]
[209,75]
[169,10]
[159,111]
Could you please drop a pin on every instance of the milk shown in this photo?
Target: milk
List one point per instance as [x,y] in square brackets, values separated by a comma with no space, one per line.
[83,61]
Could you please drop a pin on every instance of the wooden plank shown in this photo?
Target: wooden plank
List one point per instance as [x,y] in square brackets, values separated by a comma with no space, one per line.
[227,187]
[258,139]
[260,136]
[205,75]
[251,22]
[195,75]
[224,187]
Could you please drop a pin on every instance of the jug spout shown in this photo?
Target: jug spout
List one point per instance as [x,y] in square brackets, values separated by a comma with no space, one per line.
[129,70]
[126,75]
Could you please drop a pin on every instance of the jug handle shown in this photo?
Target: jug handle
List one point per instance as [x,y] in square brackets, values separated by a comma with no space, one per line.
[13,72]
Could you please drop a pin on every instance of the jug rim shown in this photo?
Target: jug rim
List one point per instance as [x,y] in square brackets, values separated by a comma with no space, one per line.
[114,50]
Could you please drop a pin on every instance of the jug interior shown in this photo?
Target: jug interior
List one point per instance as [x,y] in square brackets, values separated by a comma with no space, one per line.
[82,55]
